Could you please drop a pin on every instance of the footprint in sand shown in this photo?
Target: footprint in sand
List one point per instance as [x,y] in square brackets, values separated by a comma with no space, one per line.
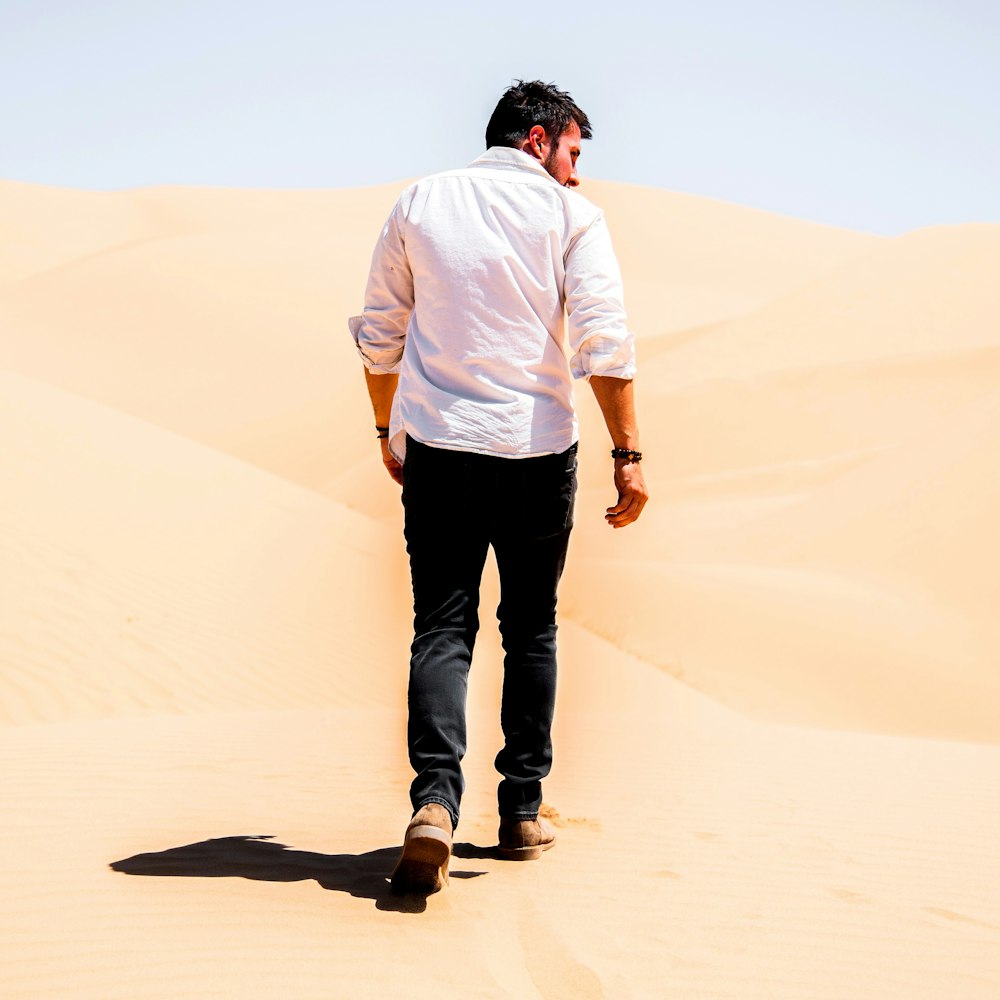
[553,816]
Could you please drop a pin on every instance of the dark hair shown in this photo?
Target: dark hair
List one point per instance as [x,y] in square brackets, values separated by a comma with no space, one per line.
[525,104]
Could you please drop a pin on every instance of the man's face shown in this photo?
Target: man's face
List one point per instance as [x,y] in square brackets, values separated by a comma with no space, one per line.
[560,161]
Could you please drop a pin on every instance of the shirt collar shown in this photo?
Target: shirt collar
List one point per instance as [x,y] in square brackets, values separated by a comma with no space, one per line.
[508,158]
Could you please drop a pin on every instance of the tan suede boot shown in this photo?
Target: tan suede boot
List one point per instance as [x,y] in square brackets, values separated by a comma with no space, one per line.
[423,866]
[525,839]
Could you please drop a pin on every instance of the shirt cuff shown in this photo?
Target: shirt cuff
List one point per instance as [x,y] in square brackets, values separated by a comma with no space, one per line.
[377,362]
[609,356]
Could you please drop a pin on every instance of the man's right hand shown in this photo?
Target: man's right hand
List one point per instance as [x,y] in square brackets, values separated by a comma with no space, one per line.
[393,467]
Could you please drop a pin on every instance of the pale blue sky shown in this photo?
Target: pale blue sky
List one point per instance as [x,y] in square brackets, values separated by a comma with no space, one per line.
[878,115]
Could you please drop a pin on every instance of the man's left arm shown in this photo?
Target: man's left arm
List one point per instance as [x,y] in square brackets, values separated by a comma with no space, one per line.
[616,398]
[604,353]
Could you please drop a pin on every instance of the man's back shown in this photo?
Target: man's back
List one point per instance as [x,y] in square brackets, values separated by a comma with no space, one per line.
[486,253]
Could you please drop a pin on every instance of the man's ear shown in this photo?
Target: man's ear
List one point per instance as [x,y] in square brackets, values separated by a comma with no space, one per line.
[535,143]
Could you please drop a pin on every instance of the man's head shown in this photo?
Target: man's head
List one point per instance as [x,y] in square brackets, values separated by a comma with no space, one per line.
[544,122]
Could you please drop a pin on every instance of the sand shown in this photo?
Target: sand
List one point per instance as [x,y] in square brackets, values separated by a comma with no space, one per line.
[777,740]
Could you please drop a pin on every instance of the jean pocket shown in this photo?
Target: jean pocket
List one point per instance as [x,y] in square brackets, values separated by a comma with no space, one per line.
[551,495]
[418,475]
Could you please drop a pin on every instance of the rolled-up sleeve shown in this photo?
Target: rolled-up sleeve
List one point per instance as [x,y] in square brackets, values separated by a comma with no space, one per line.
[380,333]
[600,341]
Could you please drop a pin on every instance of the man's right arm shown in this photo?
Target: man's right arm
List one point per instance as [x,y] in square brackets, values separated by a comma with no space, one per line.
[381,389]
[380,333]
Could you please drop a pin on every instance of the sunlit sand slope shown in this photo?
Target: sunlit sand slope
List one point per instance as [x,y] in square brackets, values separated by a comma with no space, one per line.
[144,573]
[828,475]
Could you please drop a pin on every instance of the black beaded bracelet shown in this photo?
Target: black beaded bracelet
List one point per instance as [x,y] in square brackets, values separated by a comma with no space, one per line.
[627,453]
[383,432]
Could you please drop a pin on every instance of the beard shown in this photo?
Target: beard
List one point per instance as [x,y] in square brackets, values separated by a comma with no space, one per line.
[551,162]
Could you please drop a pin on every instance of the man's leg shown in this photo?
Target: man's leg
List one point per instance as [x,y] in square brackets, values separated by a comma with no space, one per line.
[447,548]
[531,546]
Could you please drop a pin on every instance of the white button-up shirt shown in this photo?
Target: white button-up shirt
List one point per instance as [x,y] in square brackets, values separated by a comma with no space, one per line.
[466,297]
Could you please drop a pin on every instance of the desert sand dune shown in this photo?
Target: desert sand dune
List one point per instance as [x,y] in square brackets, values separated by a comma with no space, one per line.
[828,474]
[147,574]
[930,293]
[839,569]
[236,300]
[776,764]
[694,261]
[700,853]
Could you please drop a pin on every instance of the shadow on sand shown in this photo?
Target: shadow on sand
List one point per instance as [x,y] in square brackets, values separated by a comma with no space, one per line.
[262,858]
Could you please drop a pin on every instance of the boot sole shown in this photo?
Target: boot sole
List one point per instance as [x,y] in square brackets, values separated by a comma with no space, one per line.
[524,853]
[423,866]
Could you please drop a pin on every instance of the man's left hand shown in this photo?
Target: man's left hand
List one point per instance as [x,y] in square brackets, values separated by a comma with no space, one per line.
[632,494]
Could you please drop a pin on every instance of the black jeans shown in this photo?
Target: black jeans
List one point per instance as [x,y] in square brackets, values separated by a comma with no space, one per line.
[456,505]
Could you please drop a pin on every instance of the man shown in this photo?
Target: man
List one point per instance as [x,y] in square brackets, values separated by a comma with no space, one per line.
[462,339]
